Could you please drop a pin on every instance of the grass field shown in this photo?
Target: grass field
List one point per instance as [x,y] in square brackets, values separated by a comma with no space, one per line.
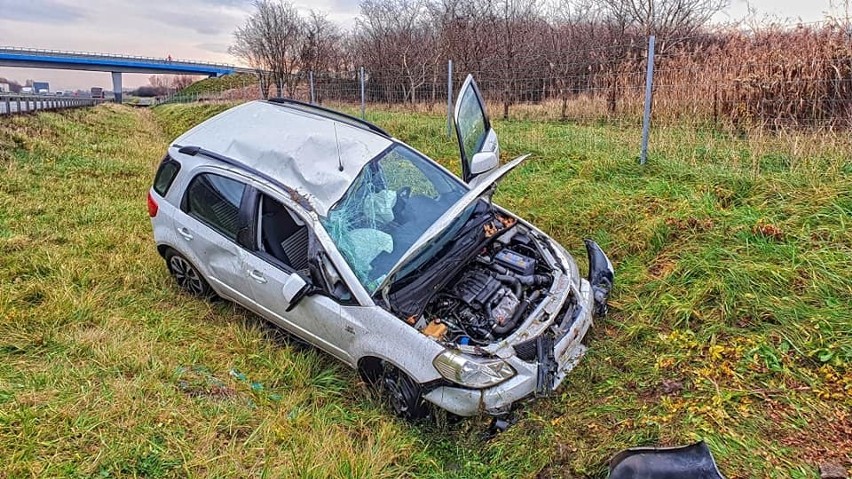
[730,320]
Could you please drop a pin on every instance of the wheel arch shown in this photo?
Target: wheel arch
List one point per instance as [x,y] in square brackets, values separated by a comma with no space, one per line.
[164,249]
[370,364]
[369,368]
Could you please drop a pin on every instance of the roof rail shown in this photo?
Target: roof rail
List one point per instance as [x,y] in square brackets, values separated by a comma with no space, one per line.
[294,195]
[330,114]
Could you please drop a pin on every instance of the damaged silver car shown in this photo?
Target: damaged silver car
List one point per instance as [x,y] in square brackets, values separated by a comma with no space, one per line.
[353,241]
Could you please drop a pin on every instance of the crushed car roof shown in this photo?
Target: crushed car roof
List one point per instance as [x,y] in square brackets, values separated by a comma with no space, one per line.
[300,148]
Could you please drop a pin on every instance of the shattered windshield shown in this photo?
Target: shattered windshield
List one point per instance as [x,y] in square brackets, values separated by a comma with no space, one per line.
[394,199]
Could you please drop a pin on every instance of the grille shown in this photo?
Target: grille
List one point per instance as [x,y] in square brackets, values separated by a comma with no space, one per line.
[526,350]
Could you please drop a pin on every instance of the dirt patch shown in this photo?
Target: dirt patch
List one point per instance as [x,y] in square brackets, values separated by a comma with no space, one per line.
[827,440]
[768,230]
[696,225]
[215,391]
[661,268]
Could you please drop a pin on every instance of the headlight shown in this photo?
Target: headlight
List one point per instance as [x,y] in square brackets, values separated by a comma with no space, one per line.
[471,372]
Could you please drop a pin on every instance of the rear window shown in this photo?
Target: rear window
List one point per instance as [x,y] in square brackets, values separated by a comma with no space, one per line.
[166,174]
[215,200]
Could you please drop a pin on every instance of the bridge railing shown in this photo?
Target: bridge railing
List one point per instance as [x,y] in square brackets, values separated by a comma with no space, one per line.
[66,53]
[12,104]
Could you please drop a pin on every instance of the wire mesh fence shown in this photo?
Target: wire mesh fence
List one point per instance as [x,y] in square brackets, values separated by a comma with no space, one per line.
[784,93]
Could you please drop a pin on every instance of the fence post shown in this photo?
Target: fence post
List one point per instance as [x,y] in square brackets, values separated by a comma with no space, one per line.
[649,87]
[311,78]
[8,106]
[363,105]
[449,98]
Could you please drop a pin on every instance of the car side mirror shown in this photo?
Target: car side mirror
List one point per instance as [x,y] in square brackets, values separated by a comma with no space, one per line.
[483,161]
[295,288]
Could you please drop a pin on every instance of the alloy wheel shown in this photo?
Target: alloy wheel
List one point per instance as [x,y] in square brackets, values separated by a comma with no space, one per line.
[186,275]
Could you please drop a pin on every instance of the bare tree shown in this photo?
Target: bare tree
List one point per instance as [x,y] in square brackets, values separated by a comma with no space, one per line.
[162,82]
[179,82]
[248,46]
[397,35]
[321,43]
[575,31]
[514,30]
[271,42]
[666,19]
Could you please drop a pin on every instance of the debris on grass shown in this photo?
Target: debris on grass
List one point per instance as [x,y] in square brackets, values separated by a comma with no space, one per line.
[671,386]
[199,382]
[769,231]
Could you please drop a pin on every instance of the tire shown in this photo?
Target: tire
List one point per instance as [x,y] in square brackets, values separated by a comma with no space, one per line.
[403,394]
[187,275]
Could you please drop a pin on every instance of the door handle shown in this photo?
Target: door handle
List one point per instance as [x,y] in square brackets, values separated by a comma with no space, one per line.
[185,233]
[257,276]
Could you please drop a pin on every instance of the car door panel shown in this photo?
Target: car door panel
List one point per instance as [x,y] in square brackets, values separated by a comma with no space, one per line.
[219,258]
[317,318]
[473,128]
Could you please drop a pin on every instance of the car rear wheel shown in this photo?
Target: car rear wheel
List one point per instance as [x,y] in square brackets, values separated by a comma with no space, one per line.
[187,276]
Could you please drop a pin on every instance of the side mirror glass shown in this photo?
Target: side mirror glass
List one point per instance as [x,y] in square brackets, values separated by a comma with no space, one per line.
[295,288]
[482,162]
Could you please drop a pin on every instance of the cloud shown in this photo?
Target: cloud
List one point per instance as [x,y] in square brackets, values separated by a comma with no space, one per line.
[242,4]
[40,11]
[205,22]
[213,47]
[341,6]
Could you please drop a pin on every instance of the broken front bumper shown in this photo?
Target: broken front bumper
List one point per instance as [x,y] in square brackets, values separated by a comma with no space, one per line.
[541,363]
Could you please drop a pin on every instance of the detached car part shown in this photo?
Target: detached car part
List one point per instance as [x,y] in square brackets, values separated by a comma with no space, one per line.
[685,462]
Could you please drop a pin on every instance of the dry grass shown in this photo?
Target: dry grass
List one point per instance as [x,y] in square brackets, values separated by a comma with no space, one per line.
[108,370]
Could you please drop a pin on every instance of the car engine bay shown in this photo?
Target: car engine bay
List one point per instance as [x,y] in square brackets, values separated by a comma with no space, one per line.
[489,298]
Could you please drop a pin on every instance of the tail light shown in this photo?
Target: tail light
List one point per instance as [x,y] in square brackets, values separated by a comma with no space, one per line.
[152,206]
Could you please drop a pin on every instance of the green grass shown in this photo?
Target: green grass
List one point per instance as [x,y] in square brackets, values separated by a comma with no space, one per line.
[214,85]
[730,321]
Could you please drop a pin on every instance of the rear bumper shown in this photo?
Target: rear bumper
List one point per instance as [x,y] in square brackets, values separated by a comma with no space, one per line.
[558,351]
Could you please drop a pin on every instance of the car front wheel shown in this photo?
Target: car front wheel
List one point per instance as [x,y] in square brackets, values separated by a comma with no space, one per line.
[403,394]
[187,276]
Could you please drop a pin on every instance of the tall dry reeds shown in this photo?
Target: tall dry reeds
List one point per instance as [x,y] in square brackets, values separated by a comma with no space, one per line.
[774,78]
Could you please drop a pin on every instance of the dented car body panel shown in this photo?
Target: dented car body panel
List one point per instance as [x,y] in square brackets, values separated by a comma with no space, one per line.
[395,267]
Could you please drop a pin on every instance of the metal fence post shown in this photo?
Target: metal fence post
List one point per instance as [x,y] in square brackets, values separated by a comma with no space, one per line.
[649,87]
[363,105]
[311,78]
[449,98]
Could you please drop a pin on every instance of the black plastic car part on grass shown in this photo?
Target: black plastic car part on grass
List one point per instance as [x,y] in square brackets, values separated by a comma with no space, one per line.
[684,462]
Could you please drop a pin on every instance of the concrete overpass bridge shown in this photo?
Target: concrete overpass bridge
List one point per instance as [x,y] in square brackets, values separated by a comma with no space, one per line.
[115,64]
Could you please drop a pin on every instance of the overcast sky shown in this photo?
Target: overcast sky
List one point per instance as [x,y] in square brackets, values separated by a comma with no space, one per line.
[198,29]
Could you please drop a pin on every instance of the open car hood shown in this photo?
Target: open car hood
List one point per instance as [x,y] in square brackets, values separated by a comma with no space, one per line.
[483,184]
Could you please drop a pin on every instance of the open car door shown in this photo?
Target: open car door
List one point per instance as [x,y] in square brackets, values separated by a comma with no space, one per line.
[480,152]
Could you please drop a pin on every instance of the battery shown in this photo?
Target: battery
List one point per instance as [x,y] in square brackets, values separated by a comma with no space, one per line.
[516,262]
